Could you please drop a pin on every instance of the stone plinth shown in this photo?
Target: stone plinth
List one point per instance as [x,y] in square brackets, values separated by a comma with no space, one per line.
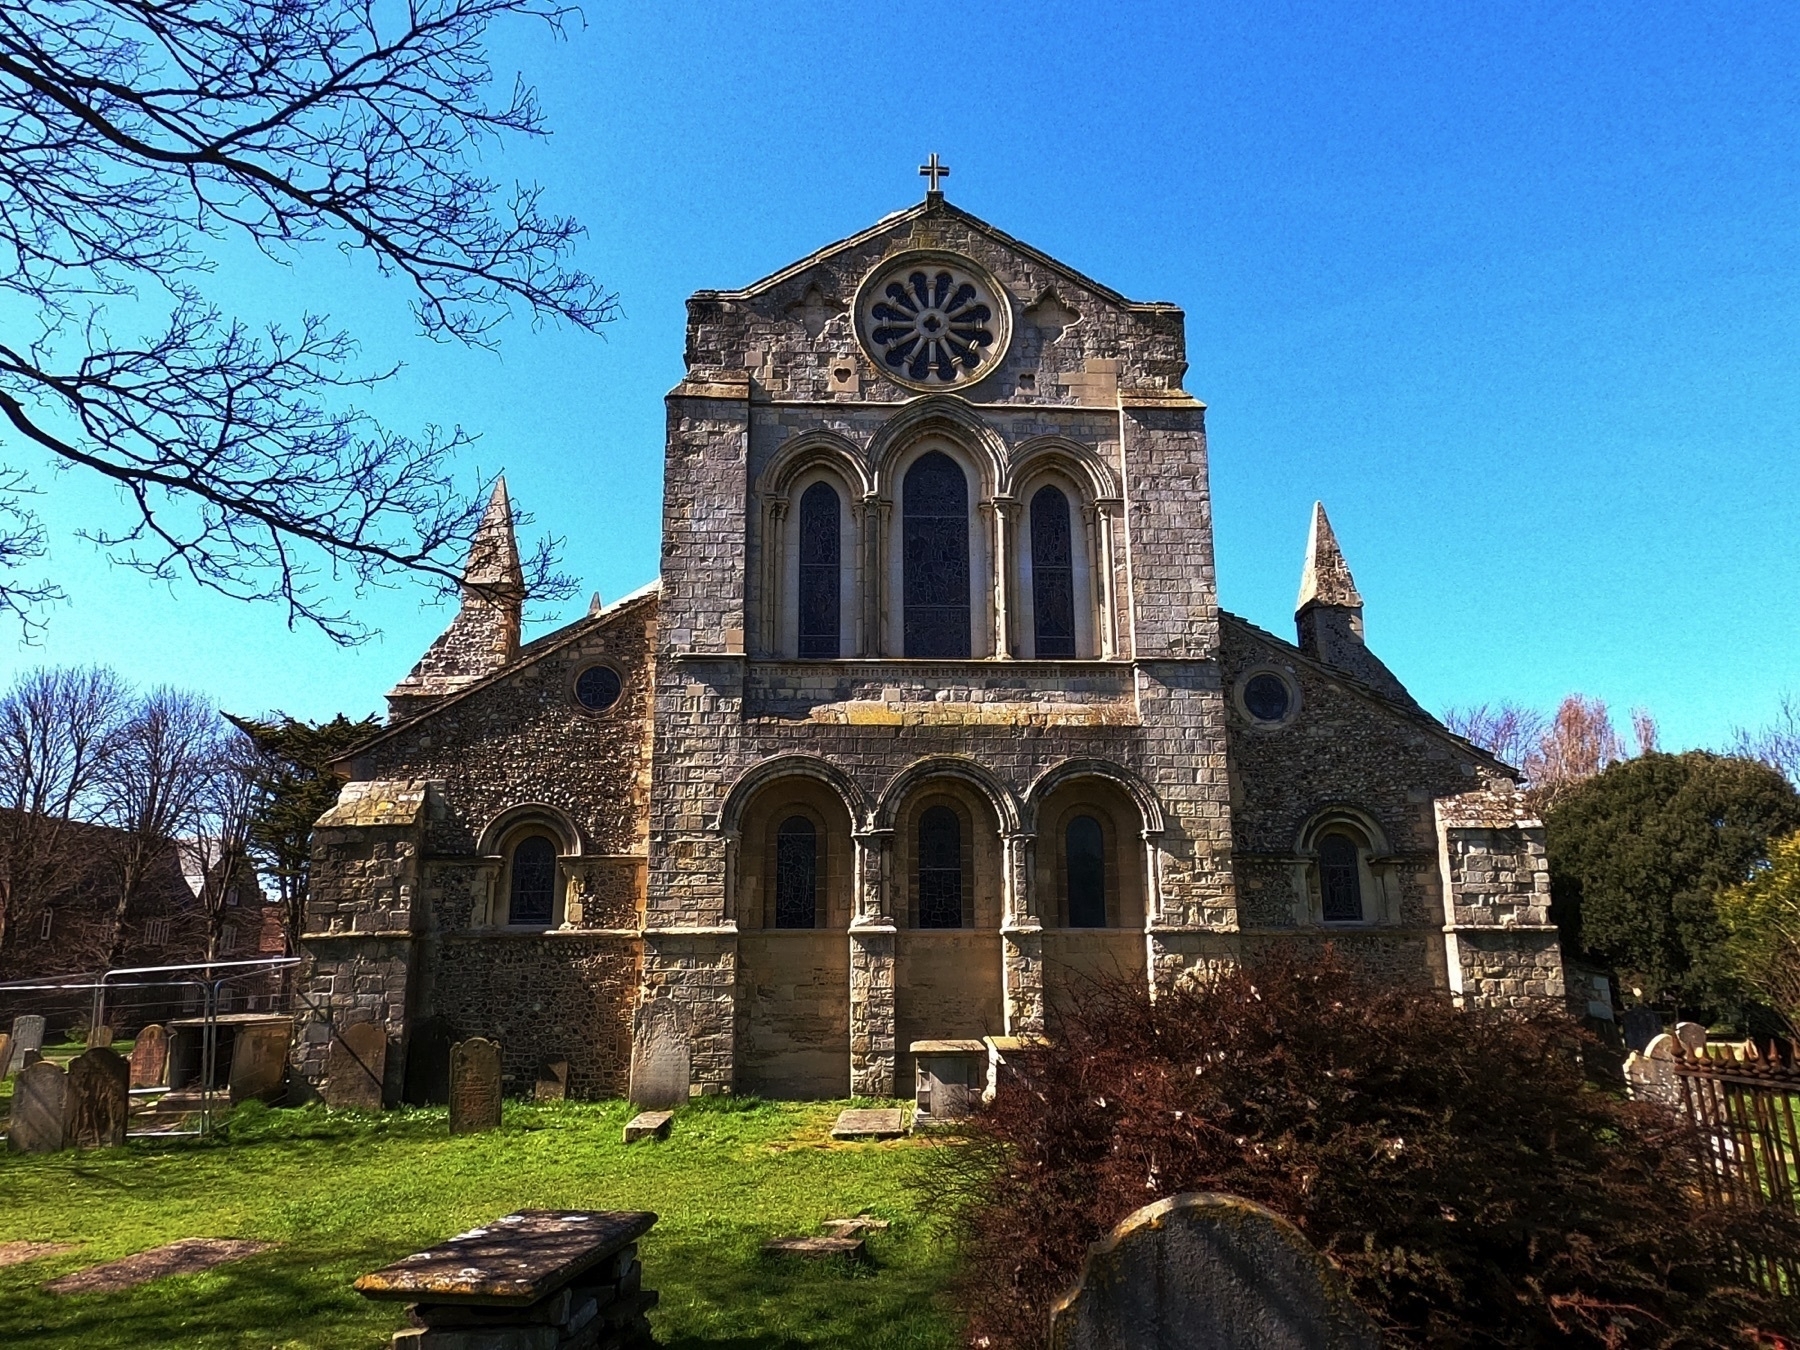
[535,1280]
[950,1075]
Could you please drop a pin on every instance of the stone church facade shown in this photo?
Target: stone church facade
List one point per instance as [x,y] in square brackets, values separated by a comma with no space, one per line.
[931,717]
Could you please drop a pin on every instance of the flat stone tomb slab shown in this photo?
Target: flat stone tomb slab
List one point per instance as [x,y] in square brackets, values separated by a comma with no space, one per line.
[513,1261]
[648,1125]
[881,1123]
[816,1247]
[189,1256]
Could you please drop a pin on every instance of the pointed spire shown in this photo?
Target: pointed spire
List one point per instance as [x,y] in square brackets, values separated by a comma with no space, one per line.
[1325,579]
[594,605]
[494,553]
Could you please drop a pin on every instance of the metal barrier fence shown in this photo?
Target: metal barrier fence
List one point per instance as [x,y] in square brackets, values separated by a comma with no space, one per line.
[1746,1106]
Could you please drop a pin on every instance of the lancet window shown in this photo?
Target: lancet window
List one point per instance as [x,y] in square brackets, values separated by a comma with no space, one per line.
[1052,574]
[820,558]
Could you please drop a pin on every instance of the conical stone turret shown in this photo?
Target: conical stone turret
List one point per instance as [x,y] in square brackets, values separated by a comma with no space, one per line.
[1328,615]
[484,635]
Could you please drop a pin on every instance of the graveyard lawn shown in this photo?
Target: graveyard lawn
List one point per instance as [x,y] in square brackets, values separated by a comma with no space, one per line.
[343,1193]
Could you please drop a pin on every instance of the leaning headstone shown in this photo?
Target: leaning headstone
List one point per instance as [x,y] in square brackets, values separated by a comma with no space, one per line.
[1651,1075]
[474,1086]
[1208,1272]
[356,1066]
[100,1037]
[32,1057]
[553,1082]
[150,1057]
[1641,1027]
[259,1061]
[98,1101]
[661,1068]
[1692,1036]
[27,1034]
[39,1109]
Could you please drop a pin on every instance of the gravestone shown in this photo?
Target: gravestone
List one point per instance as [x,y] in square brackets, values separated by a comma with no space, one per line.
[27,1034]
[39,1109]
[553,1082]
[259,1060]
[661,1069]
[5,1052]
[1208,1272]
[950,1077]
[98,1099]
[100,1038]
[1692,1035]
[150,1057]
[33,1057]
[474,1086]
[1641,1027]
[648,1125]
[356,1066]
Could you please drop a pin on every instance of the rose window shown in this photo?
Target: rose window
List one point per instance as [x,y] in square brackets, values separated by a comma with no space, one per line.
[931,323]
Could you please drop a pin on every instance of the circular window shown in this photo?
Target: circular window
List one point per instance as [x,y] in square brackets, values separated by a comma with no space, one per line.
[597,688]
[933,321]
[1266,698]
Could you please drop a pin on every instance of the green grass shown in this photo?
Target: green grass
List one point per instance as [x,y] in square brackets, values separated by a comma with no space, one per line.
[344,1193]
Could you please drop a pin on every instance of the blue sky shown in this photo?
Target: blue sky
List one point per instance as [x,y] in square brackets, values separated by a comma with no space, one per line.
[1513,288]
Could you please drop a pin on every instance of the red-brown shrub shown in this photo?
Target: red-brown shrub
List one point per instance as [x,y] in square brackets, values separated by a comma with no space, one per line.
[1472,1186]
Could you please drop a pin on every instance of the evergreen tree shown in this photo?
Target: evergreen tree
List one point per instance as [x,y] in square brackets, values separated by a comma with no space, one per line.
[1639,854]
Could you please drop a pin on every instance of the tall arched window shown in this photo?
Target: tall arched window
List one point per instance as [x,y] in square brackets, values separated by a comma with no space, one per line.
[796,874]
[1085,847]
[1340,881]
[533,892]
[935,500]
[820,553]
[940,869]
[1052,574]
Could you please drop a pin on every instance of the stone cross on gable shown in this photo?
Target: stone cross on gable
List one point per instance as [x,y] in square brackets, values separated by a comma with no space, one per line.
[931,171]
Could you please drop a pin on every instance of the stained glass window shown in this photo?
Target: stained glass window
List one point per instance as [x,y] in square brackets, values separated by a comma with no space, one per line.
[1266,696]
[1086,852]
[940,869]
[796,873]
[1052,574]
[533,899]
[1340,885]
[819,556]
[935,499]
[597,688]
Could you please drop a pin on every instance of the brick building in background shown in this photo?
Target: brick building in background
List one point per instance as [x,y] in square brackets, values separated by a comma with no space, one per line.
[932,713]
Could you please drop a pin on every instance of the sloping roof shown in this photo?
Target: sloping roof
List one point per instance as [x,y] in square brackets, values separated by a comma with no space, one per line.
[1412,712]
[939,207]
[535,650]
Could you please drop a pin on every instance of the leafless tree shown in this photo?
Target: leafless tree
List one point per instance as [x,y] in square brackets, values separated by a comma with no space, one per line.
[137,137]
[1644,731]
[1778,743]
[58,735]
[219,850]
[1579,742]
[1507,731]
[154,791]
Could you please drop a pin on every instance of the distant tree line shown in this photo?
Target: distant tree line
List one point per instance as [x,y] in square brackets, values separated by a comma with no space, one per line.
[1680,872]
[106,791]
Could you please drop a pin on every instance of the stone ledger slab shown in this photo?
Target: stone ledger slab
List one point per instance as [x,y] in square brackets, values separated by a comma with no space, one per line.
[881,1123]
[513,1261]
[1208,1272]
[816,1247]
[648,1125]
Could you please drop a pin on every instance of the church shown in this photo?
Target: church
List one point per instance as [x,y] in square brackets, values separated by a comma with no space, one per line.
[931,718]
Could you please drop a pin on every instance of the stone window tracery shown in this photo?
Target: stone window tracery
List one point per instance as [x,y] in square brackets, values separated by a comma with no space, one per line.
[531,898]
[1052,574]
[796,874]
[932,322]
[820,557]
[940,869]
[935,563]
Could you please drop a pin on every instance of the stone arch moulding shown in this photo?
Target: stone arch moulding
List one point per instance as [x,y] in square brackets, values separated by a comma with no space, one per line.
[812,449]
[761,775]
[1307,841]
[551,818]
[1083,464]
[949,416]
[915,775]
[1140,792]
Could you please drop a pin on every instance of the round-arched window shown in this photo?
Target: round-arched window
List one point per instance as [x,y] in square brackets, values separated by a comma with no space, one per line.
[1086,857]
[796,873]
[597,688]
[1340,879]
[532,898]
[940,869]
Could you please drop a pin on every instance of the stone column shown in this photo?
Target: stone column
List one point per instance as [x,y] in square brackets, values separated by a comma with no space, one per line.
[774,572]
[1104,588]
[873,1049]
[1021,940]
[874,585]
[1005,512]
